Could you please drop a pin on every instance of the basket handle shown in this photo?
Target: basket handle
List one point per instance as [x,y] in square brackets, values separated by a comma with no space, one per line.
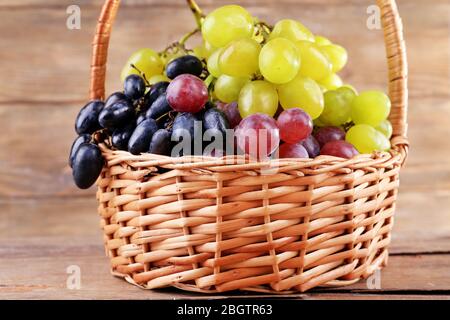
[395,52]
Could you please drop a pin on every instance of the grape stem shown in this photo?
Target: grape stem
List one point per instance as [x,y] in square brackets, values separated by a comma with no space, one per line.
[198,14]
[141,74]
[187,36]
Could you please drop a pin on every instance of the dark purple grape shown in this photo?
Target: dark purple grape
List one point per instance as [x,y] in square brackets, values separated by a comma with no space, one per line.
[155,91]
[339,148]
[113,98]
[232,112]
[158,108]
[161,143]
[120,137]
[215,120]
[188,126]
[87,119]
[312,146]
[140,139]
[116,115]
[184,65]
[84,138]
[295,150]
[87,165]
[134,87]
[327,134]
[141,117]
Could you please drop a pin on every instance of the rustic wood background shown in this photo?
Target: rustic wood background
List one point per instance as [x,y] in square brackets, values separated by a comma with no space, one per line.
[46,224]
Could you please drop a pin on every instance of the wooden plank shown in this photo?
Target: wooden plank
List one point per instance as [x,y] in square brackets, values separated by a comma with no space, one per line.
[59,71]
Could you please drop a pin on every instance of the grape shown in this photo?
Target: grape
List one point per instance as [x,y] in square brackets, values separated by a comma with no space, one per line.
[209,48]
[155,91]
[385,127]
[139,141]
[332,82]
[338,106]
[160,107]
[87,165]
[158,78]
[327,134]
[134,87]
[113,98]
[318,123]
[116,115]
[87,119]
[146,60]
[200,52]
[366,139]
[184,126]
[339,148]
[322,41]
[295,150]
[187,93]
[312,146]
[370,107]
[184,65]
[302,93]
[161,143]
[215,119]
[295,125]
[240,58]
[279,61]
[315,64]
[258,97]
[121,136]
[226,24]
[227,88]
[141,117]
[258,135]
[352,88]
[337,55]
[231,111]
[213,63]
[84,138]
[291,30]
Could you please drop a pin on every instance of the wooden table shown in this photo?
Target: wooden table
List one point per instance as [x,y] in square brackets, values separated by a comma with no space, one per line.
[47,225]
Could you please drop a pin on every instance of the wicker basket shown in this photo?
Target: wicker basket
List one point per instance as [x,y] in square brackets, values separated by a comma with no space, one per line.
[215,225]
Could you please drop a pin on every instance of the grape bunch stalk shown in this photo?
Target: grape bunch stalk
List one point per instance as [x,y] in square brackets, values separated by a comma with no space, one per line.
[250,88]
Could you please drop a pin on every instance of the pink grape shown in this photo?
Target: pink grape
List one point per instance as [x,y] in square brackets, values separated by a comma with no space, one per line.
[312,146]
[258,135]
[327,134]
[295,125]
[187,93]
[231,110]
[340,149]
[295,150]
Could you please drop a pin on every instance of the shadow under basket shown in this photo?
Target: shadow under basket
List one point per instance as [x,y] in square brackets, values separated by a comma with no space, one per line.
[215,225]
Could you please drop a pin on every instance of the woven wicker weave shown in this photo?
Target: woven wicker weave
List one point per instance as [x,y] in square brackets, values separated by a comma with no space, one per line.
[214,225]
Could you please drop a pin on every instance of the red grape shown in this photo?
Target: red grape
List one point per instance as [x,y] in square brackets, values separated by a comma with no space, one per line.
[258,135]
[340,149]
[327,134]
[295,150]
[232,112]
[312,146]
[187,93]
[295,125]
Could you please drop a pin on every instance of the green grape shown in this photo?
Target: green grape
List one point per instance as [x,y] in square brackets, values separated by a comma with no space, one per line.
[209,48]
[322,41]
[227,88]
[370,107]
[366,139]
[200,52]
[146,60]
[213,64]
[302,93]
[240,58]
[226,24]
[332,82]
[158,78]
[291,30]
[349,86]
[337,107]
[318,123]
[315,64]
[385,127]
[337,55]
[279,61]
[258,97]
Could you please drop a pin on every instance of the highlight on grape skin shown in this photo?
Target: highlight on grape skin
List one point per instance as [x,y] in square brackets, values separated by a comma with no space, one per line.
[263,90]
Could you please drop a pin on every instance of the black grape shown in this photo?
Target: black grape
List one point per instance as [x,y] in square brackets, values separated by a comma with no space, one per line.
[182,65]
[134,87]
[84,138]
[141,117]
[113,98]
[184,126]
[87,119]
[87,165]
[140,139]
[161,143]
[158,108]
[116,115]
[120,137]
[155,91]
[214,119]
